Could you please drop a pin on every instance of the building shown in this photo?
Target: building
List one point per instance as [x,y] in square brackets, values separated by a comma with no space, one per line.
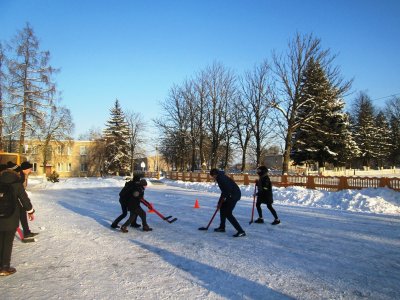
[67,158]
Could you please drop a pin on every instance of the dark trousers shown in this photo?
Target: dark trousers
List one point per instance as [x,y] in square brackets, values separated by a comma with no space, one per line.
[23,218]
[269,206]
[6,245]
[138,211]
[124,208]
[226,212]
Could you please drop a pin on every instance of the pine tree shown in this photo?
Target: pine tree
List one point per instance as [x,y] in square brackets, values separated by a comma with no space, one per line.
[116,135]
[395,138]
[383,136]
[393,115]
[324,135]
[364,130]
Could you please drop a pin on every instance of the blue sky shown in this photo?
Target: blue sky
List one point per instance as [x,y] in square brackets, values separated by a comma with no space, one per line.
[137,50]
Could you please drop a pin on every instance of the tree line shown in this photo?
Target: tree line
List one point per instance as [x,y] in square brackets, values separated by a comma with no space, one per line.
[292,104]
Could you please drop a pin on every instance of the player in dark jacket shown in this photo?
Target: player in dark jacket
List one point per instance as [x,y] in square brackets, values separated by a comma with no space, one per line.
[230,195]
[9,225]
[264,195]
[124,196]
[133,205]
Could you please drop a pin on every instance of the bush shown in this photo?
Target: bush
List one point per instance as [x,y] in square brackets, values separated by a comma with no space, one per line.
[53,177]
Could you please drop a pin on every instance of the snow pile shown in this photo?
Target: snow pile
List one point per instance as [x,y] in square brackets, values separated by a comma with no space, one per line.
[382,200]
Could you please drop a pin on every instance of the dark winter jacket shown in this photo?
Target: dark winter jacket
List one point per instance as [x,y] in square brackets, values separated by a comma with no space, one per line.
[264,190]
[229,189]
[135,194]
[20,197]
[126,191]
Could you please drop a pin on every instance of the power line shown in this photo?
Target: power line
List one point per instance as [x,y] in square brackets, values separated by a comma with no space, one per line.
[393,95]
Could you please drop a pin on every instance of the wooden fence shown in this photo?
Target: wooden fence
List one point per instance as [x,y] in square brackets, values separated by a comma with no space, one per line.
[330,183]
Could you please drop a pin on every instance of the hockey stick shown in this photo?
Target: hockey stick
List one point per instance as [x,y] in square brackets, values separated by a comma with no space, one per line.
[254,203]
[213,216]
[149,206]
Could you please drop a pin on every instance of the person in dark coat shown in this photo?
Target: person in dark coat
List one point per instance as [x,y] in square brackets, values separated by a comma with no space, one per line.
[230,195]
[134,208]
[24,170]
[264,195]
[8,225]
[124,196]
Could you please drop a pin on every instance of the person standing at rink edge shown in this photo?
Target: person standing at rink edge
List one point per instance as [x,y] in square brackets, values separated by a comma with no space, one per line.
[264,195]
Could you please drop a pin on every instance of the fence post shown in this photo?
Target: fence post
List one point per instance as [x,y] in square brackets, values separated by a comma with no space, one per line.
[384,182]
[310,182]
[343,185]
[284,181]
[246,179]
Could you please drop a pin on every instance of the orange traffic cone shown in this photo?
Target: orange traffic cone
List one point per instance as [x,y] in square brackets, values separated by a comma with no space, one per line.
[196,204]
[150,211]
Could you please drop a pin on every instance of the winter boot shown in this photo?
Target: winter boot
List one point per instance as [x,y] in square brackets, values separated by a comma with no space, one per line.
[276,222]
[114,226]
[219,229]
[259,221]
[124,229]
[30,234]
[147,228]
[239,234]
[135,225]
[5,271]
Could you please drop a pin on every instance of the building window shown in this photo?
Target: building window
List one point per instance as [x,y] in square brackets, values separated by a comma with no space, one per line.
[60,149]
[69,167]
[69,151]
[59,167]
[34,167]
[35,150]
[82,150]
[83,167]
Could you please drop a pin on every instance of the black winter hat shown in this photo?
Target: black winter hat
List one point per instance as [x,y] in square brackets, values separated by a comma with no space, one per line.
[261,170]
[26,165]
[214,172]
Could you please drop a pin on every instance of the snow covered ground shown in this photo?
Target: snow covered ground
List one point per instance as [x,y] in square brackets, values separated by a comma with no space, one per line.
[343,245]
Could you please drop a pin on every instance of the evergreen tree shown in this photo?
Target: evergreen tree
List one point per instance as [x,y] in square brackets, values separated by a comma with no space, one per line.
[393,115]
[116,135]
[383,136]
[364,130]
[395,138]
[324,135]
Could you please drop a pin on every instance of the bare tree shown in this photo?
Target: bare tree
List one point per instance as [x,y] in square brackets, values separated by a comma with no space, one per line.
[289,69]
[31,87]
[137,128]
[95,157]
[257,94]
[242,128]
[174,126]
[58,127]
[221,90]
[201,96]
[2,84]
